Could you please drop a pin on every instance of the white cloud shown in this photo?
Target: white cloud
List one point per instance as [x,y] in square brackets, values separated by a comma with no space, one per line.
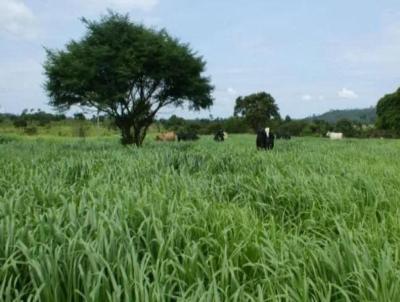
[17,20]
[347,94]
[231,91]
[121,4]
[307,97]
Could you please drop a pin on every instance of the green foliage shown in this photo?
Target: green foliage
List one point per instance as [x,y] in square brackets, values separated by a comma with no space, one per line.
[174,123]
[388,111]
[127,71]
[20,123]
[293,128]
[257,109]
[79,116]
[31,130]
[314,220]
[365,116]
[236,125]
[347,128]
[205,126]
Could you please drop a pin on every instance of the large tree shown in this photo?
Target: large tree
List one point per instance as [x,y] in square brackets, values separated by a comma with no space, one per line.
[257,109]
[127,71]
[388,112]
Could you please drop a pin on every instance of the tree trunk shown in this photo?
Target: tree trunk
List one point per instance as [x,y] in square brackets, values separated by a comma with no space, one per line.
[126,135]
[132,132]
[140,134]
[137,137]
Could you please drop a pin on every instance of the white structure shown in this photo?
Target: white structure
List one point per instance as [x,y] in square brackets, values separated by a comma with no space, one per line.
[335,135]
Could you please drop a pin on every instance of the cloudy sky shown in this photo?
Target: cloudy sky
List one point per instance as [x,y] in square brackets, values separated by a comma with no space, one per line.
[311,55]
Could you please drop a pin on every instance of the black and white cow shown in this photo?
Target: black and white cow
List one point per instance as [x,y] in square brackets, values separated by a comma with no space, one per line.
[220,136]
[265,139]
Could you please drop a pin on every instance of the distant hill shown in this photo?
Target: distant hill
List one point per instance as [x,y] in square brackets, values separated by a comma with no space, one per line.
[366,116]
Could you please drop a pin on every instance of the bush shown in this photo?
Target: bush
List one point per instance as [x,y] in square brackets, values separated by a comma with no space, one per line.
[81,131]
[31,130]
[236,125]
[20,123]
[348,128]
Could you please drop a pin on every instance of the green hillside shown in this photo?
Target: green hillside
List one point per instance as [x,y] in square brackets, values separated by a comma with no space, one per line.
[367,115]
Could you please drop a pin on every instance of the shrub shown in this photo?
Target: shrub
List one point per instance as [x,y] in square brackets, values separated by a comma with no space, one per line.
[20,123]
[31,130]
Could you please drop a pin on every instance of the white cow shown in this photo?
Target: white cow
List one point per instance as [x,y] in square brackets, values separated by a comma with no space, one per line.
[335,135]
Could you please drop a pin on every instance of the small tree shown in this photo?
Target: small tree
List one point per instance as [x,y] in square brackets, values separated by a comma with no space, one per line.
[257,109]
[346,127]
[127,71]
[388,112]
[79,116]
[20,123]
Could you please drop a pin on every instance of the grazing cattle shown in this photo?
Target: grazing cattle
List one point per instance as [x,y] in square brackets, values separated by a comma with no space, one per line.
[261,140]
[335,135]
[265,139]
[220,136]
[187,136]
[166,137]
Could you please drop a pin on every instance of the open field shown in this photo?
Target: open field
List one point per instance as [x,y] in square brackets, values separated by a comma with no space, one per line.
[90,220]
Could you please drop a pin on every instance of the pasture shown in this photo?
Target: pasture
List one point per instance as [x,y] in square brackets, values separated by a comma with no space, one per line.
[90,220]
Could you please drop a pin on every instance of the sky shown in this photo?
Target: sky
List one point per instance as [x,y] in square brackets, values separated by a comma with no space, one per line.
[310,55]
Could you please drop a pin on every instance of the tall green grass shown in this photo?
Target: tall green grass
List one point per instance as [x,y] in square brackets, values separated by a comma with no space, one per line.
[89,220]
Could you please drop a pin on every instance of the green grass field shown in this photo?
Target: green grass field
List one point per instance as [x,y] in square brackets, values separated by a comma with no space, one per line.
[90,220]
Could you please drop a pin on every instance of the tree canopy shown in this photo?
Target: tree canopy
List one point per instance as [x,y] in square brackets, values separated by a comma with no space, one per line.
[388,112]
[257,109]
[129,72]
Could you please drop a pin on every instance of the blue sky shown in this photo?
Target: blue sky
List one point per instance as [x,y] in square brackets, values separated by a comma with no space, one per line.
[312,56]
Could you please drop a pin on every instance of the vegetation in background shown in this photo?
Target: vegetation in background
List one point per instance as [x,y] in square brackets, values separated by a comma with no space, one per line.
[388,111]
[129,76]
[314,220]
[82,126]
[42,123]
[365,116]
[257,109]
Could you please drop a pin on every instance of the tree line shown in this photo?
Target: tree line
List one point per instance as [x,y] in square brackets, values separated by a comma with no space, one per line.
[30,120]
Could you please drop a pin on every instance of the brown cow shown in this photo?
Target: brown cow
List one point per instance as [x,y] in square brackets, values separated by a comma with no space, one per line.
[166,137]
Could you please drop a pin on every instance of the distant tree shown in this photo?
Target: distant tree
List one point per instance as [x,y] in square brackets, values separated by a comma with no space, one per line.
[293,128]
[79,116]
[257,109]
[346,127]
[31,130]
[388,112]
[20,123]
[127,71]
[174,123]
[236,125]
[288,118]
[322,127]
